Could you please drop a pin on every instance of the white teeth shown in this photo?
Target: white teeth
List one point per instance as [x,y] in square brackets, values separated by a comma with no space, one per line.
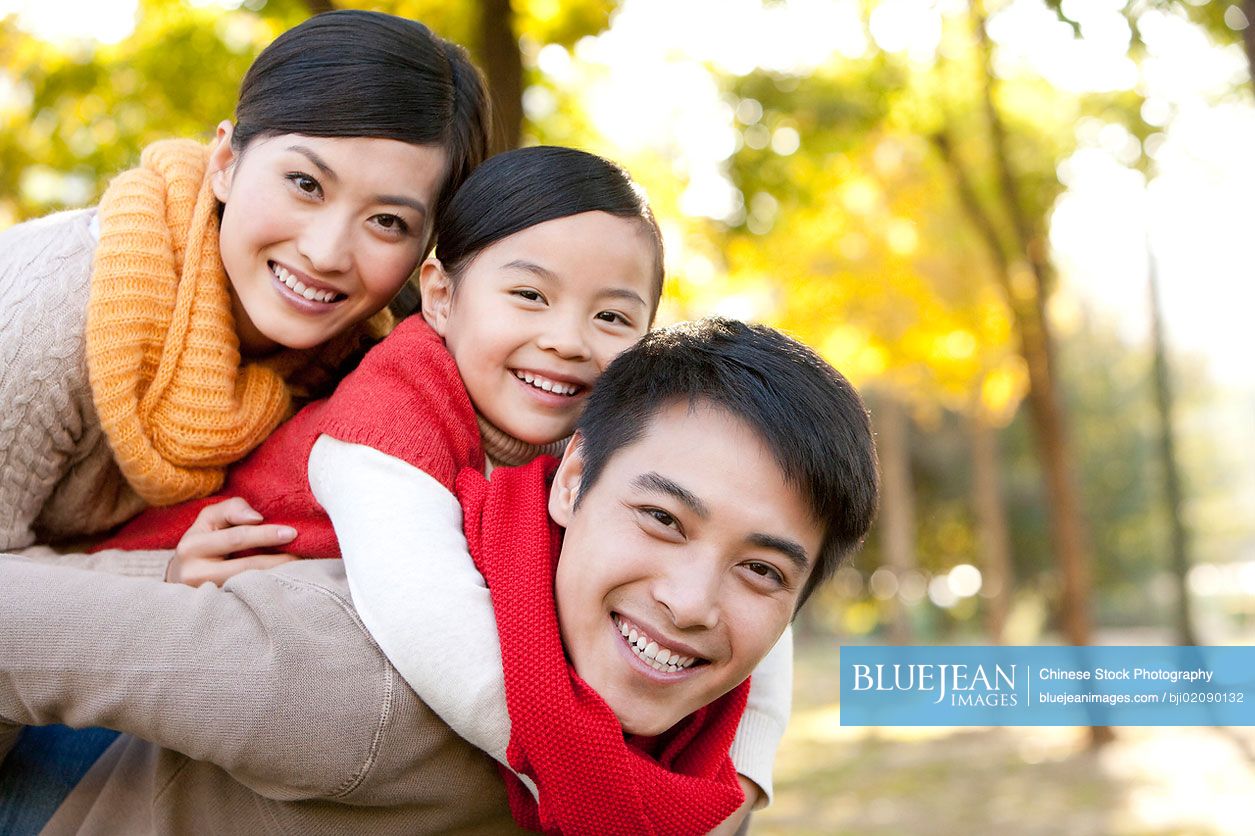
[546,384]
[656,656]
[300,288]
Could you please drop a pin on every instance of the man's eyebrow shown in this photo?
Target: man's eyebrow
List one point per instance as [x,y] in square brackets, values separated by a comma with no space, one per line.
[658,483]
[547,274]
[794,552]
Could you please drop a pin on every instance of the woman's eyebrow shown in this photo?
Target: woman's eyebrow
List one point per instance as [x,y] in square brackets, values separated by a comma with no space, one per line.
[318,161]
[330,174]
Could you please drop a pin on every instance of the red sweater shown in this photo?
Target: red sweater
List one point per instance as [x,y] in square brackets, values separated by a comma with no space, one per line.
[562,734]
[405,399]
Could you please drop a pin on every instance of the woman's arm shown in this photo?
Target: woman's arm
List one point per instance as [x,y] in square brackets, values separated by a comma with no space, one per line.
[415,586]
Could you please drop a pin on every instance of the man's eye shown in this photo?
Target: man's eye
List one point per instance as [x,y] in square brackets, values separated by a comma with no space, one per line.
[663,517]
[765,570]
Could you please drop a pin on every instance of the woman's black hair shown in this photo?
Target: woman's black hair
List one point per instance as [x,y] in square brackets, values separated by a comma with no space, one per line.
[527,186]
[354,73]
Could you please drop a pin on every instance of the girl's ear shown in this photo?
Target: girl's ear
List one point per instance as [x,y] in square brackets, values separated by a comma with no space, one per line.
[222,161]
[566,482]
[436,289]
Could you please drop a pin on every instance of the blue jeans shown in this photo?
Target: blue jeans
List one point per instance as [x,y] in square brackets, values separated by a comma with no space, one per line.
[46,763]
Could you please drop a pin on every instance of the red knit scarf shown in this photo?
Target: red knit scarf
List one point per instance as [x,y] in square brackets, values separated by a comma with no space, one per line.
[563,735]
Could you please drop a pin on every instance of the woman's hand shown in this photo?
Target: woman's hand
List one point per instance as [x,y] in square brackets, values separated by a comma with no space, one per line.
[204,553]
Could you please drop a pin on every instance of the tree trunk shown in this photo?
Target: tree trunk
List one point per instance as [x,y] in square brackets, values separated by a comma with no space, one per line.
[1173,495]
[1028,307]
[991,515]
[1248,37]
[897,505]
[502,63]
[317,7]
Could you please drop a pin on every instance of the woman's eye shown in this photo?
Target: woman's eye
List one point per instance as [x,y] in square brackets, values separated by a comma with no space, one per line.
[392,223]
[529,295]
[306,184]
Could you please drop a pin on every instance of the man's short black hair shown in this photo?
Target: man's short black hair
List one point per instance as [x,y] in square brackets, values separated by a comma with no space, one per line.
[807,414]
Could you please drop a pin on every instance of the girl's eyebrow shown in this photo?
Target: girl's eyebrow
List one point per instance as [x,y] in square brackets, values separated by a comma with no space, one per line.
[548,275]
[330,174]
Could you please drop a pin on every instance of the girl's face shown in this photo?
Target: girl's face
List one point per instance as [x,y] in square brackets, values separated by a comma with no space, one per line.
[536,318]
[319,233]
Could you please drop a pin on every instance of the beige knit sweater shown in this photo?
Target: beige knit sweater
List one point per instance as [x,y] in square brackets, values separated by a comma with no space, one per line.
[58,478]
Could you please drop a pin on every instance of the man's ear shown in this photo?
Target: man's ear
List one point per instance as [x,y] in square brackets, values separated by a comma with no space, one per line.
[436,289]
[566,482]
[222,161]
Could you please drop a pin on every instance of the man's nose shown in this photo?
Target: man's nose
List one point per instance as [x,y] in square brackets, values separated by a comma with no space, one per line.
[690,592]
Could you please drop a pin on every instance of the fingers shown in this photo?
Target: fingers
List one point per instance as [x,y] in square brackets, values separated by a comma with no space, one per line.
[229,512]
[221,542]
[220,530]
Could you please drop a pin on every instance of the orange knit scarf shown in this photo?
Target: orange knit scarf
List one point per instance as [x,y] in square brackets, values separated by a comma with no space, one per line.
[163,355]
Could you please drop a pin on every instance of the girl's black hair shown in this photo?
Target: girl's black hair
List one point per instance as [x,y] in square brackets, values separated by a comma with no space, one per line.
[527,186]
[353,73]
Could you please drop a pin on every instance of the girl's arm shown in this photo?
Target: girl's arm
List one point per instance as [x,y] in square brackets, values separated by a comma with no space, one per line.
[415,586]
[766,715]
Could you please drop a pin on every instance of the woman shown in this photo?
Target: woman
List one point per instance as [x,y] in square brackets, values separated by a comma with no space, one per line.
[156,338]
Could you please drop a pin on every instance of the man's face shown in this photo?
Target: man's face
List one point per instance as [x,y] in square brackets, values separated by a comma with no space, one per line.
[682,565]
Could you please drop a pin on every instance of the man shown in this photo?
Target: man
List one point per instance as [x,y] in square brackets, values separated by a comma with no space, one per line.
[719,474]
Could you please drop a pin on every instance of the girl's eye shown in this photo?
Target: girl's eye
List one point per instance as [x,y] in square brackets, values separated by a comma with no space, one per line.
[305,184]
[613,317]
[529,295]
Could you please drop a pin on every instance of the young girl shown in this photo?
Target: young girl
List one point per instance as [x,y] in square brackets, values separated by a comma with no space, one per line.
[548,264]
[153,340]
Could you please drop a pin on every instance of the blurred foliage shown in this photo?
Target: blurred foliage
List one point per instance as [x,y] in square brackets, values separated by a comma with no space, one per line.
[845,230]
[75,114]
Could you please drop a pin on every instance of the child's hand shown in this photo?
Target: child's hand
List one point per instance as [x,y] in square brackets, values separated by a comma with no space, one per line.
[203,555]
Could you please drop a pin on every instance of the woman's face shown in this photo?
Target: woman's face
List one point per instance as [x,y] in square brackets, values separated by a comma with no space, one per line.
[318,234]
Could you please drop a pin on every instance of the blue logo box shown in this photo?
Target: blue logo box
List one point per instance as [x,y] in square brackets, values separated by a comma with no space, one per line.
[1047,686]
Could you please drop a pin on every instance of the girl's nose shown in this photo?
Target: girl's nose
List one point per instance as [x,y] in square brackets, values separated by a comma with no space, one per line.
[566,339]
